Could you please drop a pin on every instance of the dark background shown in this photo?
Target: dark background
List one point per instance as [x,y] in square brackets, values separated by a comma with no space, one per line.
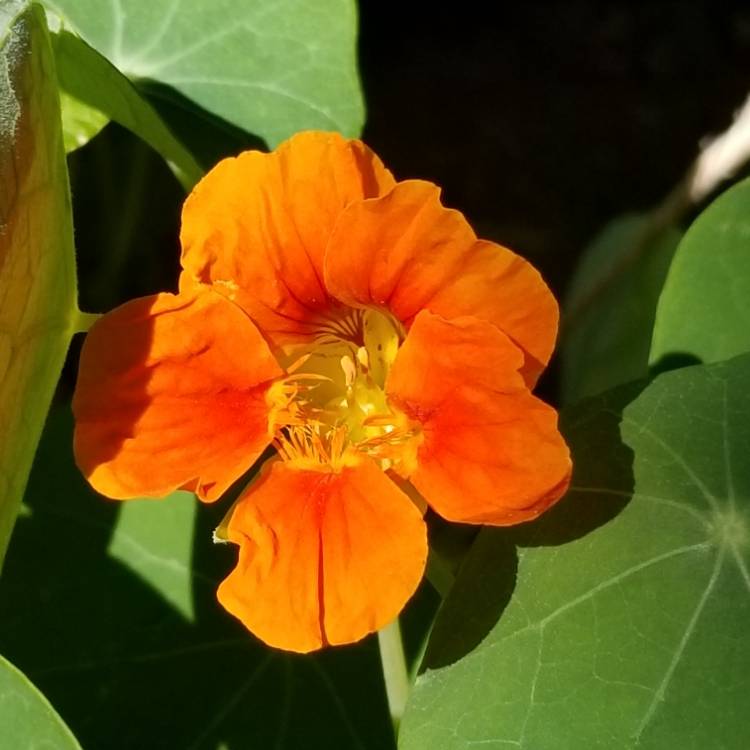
[544,123]
[541,124]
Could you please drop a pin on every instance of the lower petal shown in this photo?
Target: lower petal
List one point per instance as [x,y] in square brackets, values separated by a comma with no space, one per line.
[171,393]
[325,557]
[491,451]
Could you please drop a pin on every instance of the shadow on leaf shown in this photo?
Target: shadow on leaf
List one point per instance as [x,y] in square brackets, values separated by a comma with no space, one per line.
[126,668]
[487,577]
[206,135]
[674,361]
[477,599]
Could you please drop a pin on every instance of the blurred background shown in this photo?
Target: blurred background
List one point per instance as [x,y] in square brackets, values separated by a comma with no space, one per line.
[542,122]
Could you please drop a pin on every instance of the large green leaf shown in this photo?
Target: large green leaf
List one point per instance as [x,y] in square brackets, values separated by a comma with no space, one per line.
[37,266]
[27,721]
[80,122]
[110,608]
[628,621]
[91,80]
[269,67]
[704,310]
[611,304]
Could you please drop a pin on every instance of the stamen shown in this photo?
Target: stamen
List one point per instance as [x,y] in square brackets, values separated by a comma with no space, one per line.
[350,371]
[308,447]
[298,363]
[363,358]
[323,422]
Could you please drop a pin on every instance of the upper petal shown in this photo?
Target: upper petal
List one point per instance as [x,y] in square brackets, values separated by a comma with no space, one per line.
[257,225]
[491,452]
[406,252]
[171,391]
[325,557]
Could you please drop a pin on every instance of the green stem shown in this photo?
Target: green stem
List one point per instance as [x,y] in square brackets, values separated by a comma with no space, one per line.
[439,574]
[82,321]
[394,671]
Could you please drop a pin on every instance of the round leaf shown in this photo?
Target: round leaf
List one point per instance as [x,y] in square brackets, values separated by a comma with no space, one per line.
[627,626]
[27,719]
[269,67]
[704,310]
[612,303]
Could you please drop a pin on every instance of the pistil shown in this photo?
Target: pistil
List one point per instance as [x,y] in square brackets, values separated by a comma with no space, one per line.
[332,410]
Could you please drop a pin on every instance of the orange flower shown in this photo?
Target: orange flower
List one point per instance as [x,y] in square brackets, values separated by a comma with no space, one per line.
[360,327]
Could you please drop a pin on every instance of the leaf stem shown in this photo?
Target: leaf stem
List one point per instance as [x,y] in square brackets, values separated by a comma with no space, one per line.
[82,321]
[439,573]
[396,676]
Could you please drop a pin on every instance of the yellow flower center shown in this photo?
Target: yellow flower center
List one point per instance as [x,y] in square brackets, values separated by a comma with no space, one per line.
[332,409]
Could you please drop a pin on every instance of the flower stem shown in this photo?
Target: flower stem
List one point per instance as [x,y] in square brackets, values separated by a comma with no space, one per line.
[82,321]
[439,574]
[394,671]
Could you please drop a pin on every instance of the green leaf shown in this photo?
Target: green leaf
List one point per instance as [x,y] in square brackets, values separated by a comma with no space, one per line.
[144,526]
[704,310]
[26,717]
[111,609]
[37,267]
[271,68]
[611,306]
[80,122]
[627,626]
[91,79]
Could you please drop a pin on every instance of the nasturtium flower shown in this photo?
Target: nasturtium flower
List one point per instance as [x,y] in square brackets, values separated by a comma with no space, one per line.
[362,329]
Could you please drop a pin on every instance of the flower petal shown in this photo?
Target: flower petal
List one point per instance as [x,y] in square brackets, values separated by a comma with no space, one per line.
[491,452]
[406,252]
[325,557]
[171,392]
[257,226]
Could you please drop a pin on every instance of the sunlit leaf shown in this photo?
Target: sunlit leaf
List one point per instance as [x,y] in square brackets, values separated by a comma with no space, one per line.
[95,610]
[92,80]
[27,721]
[143,527]
[704,310]
[611,304]
[627,624]
[79,121]
[269,67]
[37,268]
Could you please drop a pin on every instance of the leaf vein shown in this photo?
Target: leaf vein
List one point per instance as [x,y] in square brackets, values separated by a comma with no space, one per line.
[689,629]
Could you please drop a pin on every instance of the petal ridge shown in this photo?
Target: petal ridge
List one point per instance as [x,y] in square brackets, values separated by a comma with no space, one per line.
[170,394]
[491,451]
[405,251]
[313,568]
[257,225]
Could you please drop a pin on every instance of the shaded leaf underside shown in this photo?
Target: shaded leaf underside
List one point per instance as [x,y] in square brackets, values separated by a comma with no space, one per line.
[37,268]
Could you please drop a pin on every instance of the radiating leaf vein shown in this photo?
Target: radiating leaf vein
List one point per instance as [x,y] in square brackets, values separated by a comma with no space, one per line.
[231,703]
[741,565]
[676,504]
[692,622]
[159,34]
[603,585]
[154,656]
[257,87]
[709,497]
[326,680]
